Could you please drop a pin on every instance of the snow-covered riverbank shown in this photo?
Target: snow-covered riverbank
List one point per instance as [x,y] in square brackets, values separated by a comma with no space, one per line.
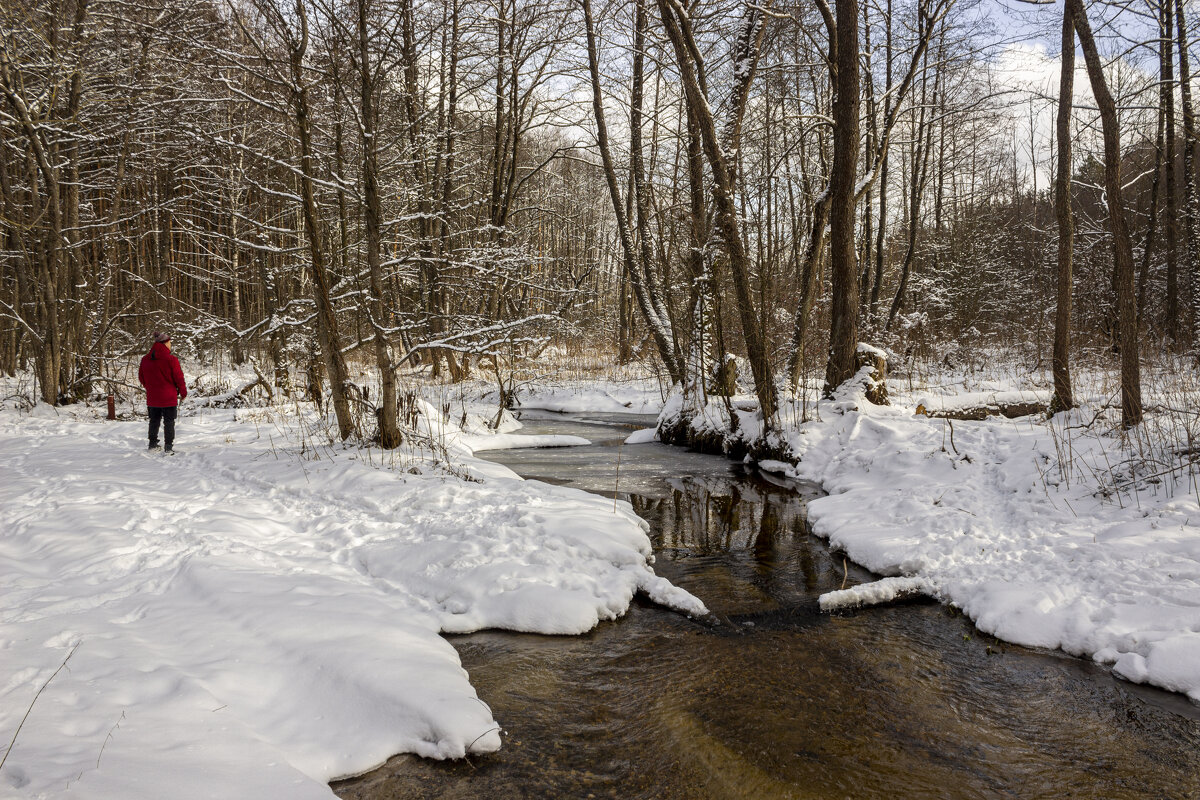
[1016,523]
[246,621]
[1066,533]
[262,613]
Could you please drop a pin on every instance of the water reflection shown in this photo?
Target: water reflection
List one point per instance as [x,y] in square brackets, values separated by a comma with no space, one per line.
[771,698]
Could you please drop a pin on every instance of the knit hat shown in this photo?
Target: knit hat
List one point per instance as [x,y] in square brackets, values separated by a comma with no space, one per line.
[159,336]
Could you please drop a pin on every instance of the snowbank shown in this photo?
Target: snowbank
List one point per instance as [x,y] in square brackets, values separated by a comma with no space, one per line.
[247,622]
[583,396]
[1006,519]
[884,590]
[643,436]
[515,441]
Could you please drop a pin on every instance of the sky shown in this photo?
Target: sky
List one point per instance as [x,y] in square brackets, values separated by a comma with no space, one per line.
[1029,63]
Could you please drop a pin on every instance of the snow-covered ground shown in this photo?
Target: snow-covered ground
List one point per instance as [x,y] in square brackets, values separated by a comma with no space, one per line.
[261,613]
[1066,534]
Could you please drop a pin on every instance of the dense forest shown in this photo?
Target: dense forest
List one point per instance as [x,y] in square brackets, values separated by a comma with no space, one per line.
[453,185]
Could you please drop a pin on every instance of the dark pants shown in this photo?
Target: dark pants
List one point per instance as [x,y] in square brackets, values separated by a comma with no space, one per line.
[167,415]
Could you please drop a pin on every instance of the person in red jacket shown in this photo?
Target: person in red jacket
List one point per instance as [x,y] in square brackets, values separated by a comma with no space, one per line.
[162,376]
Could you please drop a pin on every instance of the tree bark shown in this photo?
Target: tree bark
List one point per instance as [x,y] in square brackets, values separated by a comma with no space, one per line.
[722,164]
[883,176]
[809,287]
[843,326]
[327,331]
[1148,240]
[1131,386]
[389,428]
[659,328]
[1174,329]
[1191,201]
[1061,359]
[702,296]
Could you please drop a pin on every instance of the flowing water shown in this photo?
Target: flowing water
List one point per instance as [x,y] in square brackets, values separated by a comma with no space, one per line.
[770,698]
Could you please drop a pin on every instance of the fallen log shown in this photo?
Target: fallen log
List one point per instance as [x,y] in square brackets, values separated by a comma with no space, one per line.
[237,396]
[979,406]
[876,593]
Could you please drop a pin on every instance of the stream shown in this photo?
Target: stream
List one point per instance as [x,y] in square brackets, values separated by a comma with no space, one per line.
[770,698]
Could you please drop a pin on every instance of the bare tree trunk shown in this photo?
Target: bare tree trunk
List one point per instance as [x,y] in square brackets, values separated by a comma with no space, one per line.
[809,282]
[702,296]
[1061,362]
[659,328]
[868,218]
[883,176]
[809,286]
[389,428]
[1151,222]
[327,331]
[922,144]
[48,344]
[843,325]
[1174,329]
[624,320]
[722,161]
[1190,200]
[74,312]
[1131,384]
[640,189]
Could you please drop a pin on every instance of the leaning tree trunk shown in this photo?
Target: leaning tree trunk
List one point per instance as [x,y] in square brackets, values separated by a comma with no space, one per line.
[327,332]
[721,158]
[660,329]
[1131,383]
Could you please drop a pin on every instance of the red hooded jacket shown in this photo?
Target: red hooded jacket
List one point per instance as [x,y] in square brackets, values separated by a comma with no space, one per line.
[162,376]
